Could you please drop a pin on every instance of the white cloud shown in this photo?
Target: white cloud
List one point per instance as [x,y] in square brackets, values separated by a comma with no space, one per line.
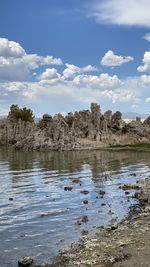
[16,64]
[146,63]
[119,95]
[102,81]
[71,71]
[112,60]
[120,12]
[49,74]
[147,100]
[83,89]
[38,91]
[76,86]
[10,49]
[145,79]
[147,37]
[13,88]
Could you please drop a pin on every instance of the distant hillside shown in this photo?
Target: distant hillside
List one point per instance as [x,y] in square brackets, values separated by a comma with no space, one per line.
[133,115]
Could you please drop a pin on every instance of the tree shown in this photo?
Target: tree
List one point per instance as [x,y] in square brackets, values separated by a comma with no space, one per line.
[17,113]
[24,114]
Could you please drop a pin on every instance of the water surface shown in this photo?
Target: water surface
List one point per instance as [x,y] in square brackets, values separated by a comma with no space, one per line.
[38,217]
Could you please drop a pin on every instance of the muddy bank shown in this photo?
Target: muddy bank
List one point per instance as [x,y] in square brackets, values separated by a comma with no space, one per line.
[123,244]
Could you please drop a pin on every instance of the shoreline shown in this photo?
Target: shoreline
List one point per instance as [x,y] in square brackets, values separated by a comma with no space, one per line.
[122,244]
[144,147]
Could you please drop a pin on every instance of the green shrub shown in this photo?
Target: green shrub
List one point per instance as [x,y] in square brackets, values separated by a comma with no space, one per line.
[24,114]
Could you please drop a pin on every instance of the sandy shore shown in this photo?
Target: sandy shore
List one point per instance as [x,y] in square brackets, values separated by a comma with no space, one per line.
[123,244]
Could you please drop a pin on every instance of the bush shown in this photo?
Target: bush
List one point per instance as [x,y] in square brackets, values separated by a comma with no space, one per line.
[24,114]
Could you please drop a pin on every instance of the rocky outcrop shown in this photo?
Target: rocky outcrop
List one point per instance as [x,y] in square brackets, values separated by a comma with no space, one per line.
[80,130]
[147,121]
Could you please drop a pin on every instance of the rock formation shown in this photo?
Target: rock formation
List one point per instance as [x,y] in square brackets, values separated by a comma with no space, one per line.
[80,130]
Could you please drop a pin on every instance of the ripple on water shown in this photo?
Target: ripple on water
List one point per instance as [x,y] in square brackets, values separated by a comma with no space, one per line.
[38,217]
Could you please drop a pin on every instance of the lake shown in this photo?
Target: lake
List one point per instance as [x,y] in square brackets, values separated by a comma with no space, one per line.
[45,196]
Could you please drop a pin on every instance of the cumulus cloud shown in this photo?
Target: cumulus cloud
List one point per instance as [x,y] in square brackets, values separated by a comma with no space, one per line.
[71,71]
[16,64]
[43,92]
[119,96]
[146,63]
[49,74]
[75,86]
[102,81]
[147,100]
[120,12]
[147,37]
[145,79]
[112,60]
[82,90]
[10,49]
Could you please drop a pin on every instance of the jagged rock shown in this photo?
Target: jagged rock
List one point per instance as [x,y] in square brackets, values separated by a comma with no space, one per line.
[108,115]
[80,130]
[12,114]
[116,121]
[138,119]
[147,121]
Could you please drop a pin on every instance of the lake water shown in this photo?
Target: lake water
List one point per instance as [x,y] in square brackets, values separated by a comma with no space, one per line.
[38,217]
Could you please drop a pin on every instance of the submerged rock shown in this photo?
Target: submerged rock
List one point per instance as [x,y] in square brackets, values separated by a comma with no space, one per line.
[76,181]
[85,201]
[85,192]
[83,219]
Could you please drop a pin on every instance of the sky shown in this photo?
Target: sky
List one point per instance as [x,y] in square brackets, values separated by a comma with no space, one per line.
[61,55]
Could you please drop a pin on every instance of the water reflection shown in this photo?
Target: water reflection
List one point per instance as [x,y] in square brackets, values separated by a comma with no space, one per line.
[38,217]
[71,160]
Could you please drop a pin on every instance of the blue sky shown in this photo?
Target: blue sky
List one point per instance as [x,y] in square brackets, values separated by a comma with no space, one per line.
[60,55]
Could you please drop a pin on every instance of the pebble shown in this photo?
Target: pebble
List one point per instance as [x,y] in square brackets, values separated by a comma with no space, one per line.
[114,227]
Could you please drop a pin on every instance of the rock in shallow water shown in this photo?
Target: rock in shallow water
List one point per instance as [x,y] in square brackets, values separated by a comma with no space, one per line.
[25,261]
[85,202]
[68,188]
[85,192]
[102,193]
